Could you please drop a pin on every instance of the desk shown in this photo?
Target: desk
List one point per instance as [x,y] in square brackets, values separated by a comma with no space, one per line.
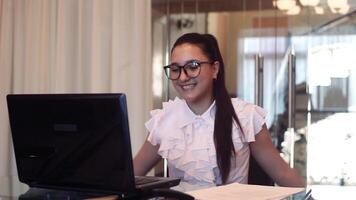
[11,188]
[249,192]
[300,196]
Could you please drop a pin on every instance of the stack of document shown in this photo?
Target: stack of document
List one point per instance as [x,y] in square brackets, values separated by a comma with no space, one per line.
[246,192]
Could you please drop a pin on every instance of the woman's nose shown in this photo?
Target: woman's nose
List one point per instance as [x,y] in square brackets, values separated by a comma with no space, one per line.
[183,75]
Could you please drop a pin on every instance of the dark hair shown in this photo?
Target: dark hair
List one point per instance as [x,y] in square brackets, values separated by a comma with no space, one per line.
[225,112]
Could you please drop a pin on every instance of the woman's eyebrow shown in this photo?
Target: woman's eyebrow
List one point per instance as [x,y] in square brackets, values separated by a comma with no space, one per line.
[188,61]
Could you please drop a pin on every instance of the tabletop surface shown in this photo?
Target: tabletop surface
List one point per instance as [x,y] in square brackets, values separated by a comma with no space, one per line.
[11,188]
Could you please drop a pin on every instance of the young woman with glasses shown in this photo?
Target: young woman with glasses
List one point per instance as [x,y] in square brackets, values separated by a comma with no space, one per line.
[205,135]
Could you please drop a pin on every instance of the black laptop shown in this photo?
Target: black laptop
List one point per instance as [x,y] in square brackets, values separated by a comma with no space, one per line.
[75,143]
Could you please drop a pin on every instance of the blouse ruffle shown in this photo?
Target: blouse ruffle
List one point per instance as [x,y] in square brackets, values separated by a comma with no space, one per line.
[194,153]
[251,117]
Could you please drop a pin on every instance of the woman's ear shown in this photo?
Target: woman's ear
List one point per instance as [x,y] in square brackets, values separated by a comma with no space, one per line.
[216,68]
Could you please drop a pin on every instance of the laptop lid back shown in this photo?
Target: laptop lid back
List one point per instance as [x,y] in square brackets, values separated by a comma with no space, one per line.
[75,141]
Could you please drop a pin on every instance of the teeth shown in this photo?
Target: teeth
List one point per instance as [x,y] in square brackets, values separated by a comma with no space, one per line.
[187,87]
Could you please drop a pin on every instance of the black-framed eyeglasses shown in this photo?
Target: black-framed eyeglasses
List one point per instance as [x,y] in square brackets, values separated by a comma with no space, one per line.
[191,69]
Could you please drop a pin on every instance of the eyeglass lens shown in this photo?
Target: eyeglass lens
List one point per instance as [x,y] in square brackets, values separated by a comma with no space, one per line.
[191,69]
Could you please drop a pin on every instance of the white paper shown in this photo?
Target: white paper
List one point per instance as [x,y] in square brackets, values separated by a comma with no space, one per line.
[242,191]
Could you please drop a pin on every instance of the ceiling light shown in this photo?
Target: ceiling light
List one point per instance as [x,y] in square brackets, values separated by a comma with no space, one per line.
[309,2]
[339,6]
[294,11]
[319,10]
[337,3]
[285,4]
[344,9]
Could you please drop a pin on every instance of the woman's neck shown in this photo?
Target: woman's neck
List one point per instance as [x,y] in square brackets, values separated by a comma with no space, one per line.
[200,107]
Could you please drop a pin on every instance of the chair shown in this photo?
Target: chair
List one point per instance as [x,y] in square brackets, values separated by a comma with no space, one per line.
[257,176]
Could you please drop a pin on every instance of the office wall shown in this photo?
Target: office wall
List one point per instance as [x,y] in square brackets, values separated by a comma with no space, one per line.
[75,46]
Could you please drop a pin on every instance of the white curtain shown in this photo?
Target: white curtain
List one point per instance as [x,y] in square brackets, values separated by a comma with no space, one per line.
[75,46]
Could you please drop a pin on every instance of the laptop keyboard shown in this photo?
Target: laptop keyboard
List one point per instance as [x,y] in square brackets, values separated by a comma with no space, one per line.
[140,180]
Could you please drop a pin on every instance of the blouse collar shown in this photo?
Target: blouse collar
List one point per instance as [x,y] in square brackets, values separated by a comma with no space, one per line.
[186,116]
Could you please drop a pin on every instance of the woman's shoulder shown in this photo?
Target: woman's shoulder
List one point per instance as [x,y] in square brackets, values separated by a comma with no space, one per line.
[242,106]
[167,115]
[251,117]
[163,121]
[168,107]
[245,109]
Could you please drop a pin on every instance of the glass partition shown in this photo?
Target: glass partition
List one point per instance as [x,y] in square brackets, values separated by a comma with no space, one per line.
[320,36]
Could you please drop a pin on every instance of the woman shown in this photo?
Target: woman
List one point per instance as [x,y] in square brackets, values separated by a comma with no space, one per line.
[206,136]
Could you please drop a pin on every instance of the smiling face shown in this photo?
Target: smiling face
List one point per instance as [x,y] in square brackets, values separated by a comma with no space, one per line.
[196,91]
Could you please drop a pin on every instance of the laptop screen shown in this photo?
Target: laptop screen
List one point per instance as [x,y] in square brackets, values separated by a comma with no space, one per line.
[76,141]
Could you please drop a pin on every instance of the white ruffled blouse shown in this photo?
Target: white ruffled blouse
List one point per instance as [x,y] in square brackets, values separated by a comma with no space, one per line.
[186,141]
